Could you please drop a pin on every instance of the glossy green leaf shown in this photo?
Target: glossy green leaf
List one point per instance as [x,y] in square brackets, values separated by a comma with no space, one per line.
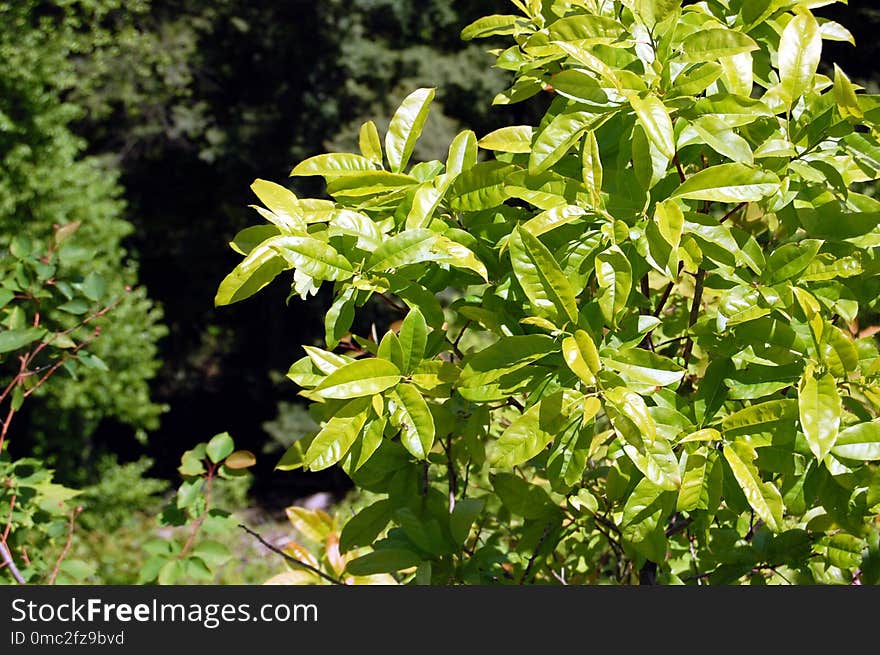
[860,442]
[819,407]
[385,560]
[481,187]
[19,338]
[540,276]
[363,528]
[560,136]
[845,96]
[407,247]
[515,138]
[262,265]
[413,339]
[729,183]
[614,275]
[406,128]
[362,377]
[369,143]
[762,496]
[654,118]
[800,49]
[505,356]
[643,366]
[337,436]
[581,356]
[415,420]
[334,165]
[313,257]
[219,447]
[714,43]
[462,153]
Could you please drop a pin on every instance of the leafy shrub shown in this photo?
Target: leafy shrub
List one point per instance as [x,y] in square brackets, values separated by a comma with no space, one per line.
[629,344]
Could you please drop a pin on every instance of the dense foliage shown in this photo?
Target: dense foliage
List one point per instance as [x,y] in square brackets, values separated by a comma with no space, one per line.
[628,344]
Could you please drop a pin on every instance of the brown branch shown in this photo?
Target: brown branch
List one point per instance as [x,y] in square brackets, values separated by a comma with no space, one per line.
[733,211]
[392,304]
[678,167]
[290,558]
[197,524]
[73,514]
[666,292]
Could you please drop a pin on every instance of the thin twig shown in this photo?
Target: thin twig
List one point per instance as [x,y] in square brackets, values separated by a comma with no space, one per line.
[695,314]
[290,558]
[678,167]
[73,514]
[7,559]
[733,211]
[392,304]
[534,556]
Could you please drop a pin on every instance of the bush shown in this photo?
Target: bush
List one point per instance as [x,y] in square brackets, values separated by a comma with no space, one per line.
[630,343]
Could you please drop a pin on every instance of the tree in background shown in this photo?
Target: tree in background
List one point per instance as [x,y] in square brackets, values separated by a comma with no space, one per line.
[49,180]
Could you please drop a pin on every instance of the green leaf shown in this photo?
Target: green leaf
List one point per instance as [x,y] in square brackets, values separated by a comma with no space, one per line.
[654,118]
[337,436]
[240,459]
[714,43]
[94,287]
[560,135]
[722,139]
[693,481]
[644,367]
[819,406]
[413,339]
[800,49]
[220,447]
[494,25]
[339,317]
[614,275]
[313,257]
[789,261]
[760,414]
[859,442]
[729,183]
[171,572]
[551,219]
[463,516]
[463,153]
[581,356]
[415,420]
[531,432]
[630,416]
[521,498]
[542,279]
[514,138]
[481,187]
[406,127]
[363,528]
[369,143]
[386,560]
[845,96]
[334,165]
[762,496]
[213,553]
[280,201]
[642,512]
[407,247]
[15,339]
[363,377]
[505,356]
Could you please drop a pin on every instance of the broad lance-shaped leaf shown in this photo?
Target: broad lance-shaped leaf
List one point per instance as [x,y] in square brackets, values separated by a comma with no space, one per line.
[415,420]
[581,356]
[413,339]
[714,43]
[406,127]
[729,183]
[262,265]
[560,135]
[657,462]
[514,138]
[654,118]
[407,247]
[369,143]
[506,355]
[819,406]
[643,366]
[313,257]
[800,50]
[522,440]
[763,497]
[481,187]
[455,254]
[462,154]
[614,275]
[859,442]
[630,416]
[845,95]
[551,219]
[693,481]
[540,276]
[334,165]
[591,167]
[280,201]
[363,377]
[336,437]
[19,338]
